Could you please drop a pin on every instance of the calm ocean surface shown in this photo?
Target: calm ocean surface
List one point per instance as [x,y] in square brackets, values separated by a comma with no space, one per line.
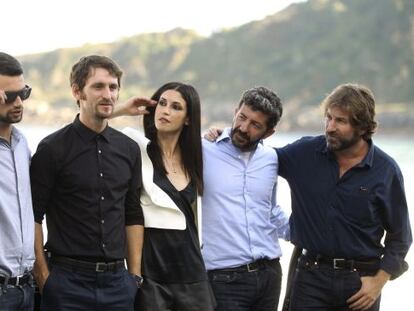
[396,295]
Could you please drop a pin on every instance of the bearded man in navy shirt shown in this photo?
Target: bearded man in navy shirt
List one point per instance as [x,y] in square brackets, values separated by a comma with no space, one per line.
[346,195]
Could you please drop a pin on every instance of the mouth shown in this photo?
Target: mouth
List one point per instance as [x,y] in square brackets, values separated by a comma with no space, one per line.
[163,120]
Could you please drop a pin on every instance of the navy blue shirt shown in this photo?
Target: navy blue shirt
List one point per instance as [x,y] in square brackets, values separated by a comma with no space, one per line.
[346,217]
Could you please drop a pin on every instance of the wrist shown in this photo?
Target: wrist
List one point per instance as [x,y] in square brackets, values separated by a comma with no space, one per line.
[139,280]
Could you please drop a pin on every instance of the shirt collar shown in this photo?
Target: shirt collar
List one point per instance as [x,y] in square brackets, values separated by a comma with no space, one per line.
[225,135]
[87,134]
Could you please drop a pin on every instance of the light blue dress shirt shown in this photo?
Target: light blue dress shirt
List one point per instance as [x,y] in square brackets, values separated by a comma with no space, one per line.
[241,220]
[16,212]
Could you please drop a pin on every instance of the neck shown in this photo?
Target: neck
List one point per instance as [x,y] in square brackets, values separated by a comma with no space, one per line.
[97,125]
[5,131]
[356,151]
[168,144]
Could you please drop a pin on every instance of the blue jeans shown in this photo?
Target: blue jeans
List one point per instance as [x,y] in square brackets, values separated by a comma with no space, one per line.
[323,288]
[247,291]
[17,298]
[71,289]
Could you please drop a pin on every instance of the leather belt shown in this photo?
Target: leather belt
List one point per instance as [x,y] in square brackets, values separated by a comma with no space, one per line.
[251,267]
[369,264]
[17,280]
[88,266]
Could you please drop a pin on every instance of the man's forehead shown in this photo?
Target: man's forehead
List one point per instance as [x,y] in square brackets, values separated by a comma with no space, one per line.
[338,111]
[11,83]
[100,74]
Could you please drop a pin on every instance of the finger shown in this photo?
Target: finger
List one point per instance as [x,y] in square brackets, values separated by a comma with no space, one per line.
[357,305]
[144,101]
[355,297]
[3,97]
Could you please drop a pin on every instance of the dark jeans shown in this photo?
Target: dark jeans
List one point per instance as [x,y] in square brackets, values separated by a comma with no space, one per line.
[323,288]
[16,298]
[154,296]
[72,289]
[247,291]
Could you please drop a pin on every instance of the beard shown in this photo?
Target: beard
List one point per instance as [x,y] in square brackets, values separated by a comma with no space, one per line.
[339,143]
[242,140]
[12,116]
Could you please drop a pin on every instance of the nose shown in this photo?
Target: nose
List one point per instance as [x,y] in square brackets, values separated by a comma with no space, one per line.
[243,127]
[18,101]
[330,125]
[106,93]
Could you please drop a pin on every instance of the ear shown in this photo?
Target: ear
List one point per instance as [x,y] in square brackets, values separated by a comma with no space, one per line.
[76,92]
[269,133]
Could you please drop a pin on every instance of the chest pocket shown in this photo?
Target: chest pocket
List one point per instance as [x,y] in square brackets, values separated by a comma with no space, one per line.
[357,206]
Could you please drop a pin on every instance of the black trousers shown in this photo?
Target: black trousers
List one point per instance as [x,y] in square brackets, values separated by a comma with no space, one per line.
[72,289]
[155,296]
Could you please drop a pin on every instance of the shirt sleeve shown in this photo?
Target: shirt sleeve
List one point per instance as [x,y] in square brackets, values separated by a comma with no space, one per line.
[133,209]
[42,177]
[398,236]
[280,219]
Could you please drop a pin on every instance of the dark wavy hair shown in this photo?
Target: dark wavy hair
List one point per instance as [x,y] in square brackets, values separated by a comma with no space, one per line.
[190,136]
[359,101]
[264,100]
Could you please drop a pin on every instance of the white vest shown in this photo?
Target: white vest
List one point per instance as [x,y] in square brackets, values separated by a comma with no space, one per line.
[159,209]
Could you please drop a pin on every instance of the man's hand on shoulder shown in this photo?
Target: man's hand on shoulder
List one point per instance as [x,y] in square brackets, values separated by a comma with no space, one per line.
[213,133]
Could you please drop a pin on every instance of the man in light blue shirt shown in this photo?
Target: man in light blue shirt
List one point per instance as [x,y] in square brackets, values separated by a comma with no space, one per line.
[241,220]
[16,214]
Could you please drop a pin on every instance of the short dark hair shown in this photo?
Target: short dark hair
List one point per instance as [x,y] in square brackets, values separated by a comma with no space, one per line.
[264,100]
[81,70]
[359,101]
[10,66]
[190,137]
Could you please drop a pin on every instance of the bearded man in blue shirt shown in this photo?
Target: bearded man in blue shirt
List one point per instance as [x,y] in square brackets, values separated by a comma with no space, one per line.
[241,220]
[16,213]
[346,194]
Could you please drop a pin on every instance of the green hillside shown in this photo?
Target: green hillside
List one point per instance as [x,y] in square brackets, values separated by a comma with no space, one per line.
[301,52]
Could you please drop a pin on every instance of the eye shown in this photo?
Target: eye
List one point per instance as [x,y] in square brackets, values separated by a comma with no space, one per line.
[177,107]
[162,102]
[113,87]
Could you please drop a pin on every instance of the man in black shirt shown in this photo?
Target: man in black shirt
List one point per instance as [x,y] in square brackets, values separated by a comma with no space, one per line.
[86,178]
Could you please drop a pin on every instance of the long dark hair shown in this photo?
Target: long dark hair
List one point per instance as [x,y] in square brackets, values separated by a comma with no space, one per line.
[190,136]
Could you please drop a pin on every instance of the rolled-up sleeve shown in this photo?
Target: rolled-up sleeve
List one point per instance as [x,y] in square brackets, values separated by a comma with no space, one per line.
[398,236]
[133,209]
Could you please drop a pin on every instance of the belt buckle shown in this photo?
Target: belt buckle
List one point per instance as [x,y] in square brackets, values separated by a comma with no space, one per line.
[252,268]
[337,261]
[97,269]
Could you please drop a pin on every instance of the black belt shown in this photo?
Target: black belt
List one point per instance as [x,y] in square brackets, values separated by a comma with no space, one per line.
[251,267]
[88,266]
[17,280]
[369,264]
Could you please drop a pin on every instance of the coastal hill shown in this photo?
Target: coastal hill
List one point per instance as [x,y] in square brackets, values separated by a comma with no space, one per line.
[302,53]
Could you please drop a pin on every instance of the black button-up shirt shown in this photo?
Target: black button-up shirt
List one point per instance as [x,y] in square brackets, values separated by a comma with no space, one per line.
[346,217]
[88,185]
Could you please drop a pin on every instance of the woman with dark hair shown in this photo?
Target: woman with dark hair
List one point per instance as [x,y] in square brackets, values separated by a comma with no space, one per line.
[172,265]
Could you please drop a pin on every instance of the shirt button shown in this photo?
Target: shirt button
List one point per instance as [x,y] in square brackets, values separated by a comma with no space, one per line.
[103,245]
[102,221]
[99,151]
[101,174]
[102,198]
